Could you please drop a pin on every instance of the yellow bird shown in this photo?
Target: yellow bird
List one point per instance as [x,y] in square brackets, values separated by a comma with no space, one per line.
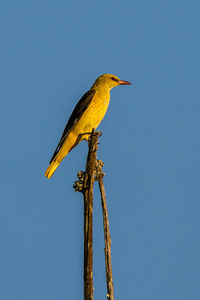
[87,115]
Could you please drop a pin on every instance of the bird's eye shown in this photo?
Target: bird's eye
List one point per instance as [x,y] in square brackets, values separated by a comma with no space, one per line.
[114,79]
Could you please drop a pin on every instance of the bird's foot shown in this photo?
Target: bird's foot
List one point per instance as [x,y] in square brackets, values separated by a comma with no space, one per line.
[88,135]
[99,133]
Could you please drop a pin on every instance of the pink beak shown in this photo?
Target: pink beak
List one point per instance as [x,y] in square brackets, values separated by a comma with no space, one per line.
[123,82]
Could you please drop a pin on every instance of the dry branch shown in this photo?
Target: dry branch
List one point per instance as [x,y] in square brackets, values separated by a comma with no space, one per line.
[85,185]
[109,276]
[93,171]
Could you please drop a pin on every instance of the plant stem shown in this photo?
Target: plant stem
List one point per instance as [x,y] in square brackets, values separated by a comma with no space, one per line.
[107,239]
[88,216]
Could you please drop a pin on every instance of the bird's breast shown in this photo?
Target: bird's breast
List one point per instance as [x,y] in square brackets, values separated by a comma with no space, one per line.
[99,105]
[95,112]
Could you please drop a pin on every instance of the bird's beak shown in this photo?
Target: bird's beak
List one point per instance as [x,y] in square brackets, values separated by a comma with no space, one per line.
[123,82]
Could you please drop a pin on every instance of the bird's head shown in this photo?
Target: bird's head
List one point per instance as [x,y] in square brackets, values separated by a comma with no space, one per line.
[109,81]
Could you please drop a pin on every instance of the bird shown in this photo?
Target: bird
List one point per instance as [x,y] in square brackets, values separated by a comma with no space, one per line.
[86,116]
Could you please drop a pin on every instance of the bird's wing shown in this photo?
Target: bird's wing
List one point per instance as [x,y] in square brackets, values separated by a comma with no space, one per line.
[78,111]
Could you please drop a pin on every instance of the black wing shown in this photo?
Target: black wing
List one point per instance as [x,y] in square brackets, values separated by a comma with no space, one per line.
[75,116]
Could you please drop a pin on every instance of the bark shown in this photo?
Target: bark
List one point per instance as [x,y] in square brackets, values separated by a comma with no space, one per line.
[88,216]
[93,171]
[107,239]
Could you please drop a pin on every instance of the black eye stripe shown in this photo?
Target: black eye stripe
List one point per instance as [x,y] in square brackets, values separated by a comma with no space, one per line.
[114,79]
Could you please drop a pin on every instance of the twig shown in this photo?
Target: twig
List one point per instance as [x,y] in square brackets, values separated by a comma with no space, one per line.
[85,185]
[109,276]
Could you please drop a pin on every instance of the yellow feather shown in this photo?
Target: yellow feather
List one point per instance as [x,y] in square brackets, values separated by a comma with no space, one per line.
[90,119]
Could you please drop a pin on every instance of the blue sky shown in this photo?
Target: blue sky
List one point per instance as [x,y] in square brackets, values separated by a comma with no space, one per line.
[51,53]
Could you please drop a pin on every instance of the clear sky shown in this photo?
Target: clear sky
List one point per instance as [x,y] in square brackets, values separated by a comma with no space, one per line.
[50,54]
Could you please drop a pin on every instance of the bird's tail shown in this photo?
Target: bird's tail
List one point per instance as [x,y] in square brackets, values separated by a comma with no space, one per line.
[70,142]
[57,160]
[51,168]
